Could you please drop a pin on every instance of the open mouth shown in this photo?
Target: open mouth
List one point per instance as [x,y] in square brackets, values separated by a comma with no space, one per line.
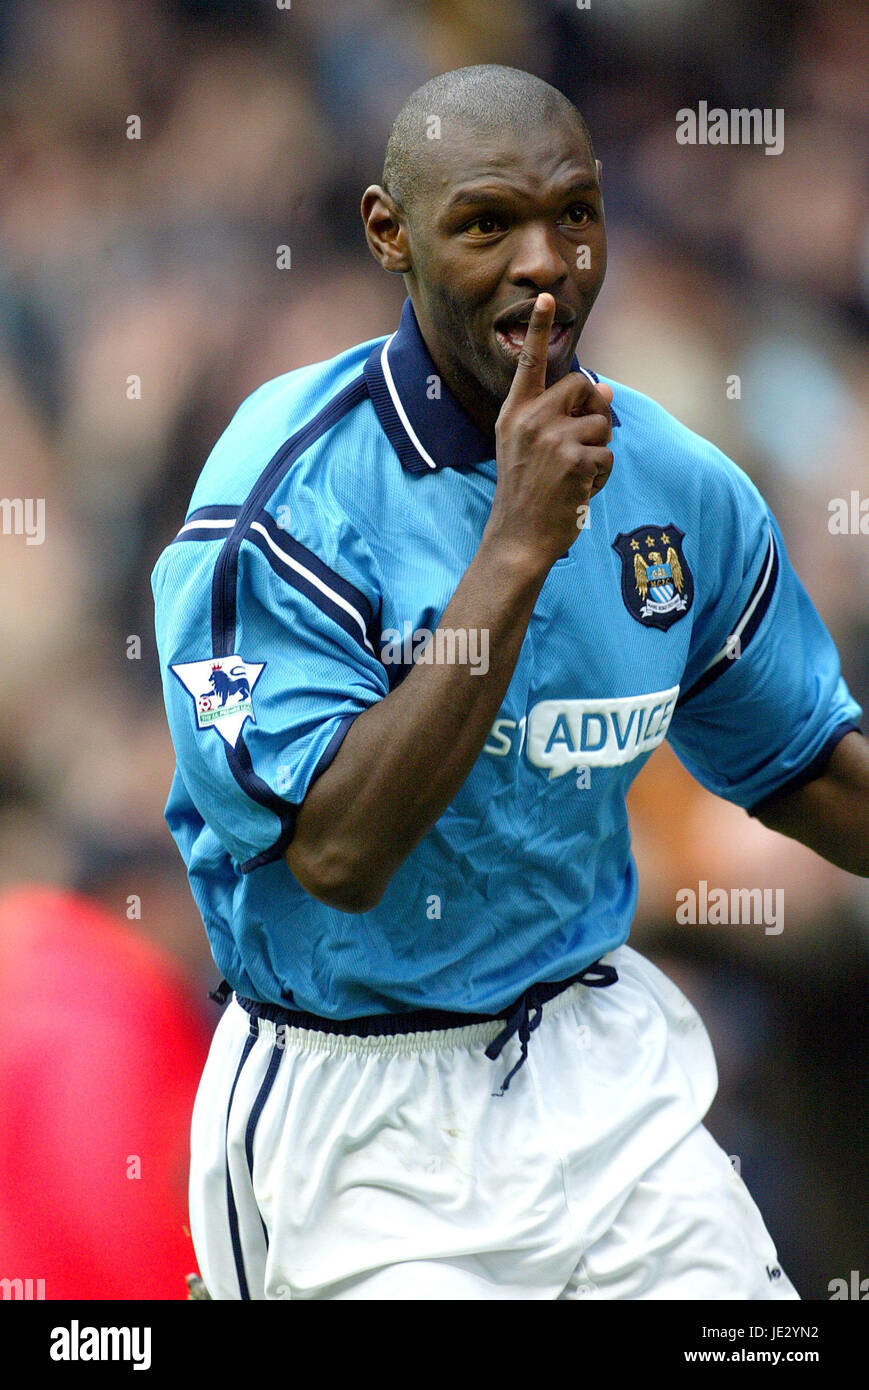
[510,336]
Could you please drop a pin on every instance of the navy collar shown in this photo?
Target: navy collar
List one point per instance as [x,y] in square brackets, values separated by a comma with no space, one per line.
[425,423]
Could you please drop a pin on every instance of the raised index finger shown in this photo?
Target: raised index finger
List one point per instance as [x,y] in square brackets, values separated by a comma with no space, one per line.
[530,377]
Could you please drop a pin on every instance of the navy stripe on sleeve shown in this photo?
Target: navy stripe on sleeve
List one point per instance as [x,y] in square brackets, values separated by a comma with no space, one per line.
[286,542]
[224,583]
[242,769]
[258,790]
[224,601]
[301,568]
[814,769]
[216,512]
[208,524]
[746,626]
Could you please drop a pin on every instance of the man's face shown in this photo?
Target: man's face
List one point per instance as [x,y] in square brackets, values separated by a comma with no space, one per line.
[502,218]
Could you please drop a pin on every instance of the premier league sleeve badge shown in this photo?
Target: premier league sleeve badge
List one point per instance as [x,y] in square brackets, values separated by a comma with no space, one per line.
[657,583]
[222,692]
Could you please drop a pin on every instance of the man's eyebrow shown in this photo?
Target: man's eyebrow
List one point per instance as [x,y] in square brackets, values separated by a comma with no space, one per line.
[475,195]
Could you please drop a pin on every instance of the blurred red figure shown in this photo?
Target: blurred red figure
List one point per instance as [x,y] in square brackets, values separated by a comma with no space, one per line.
[99,1063]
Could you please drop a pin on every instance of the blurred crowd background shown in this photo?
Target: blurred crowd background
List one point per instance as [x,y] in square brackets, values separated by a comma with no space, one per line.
[157,256]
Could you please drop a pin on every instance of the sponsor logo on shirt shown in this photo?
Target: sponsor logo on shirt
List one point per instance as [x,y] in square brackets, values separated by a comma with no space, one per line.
[562,735]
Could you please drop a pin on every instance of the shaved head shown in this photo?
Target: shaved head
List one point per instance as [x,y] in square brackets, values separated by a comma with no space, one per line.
[488,98]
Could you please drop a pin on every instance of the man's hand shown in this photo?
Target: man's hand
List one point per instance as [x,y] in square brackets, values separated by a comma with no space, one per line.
[404,759]
[550,448]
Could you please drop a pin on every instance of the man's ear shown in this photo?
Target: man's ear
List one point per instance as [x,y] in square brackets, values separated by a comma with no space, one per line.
[385,230]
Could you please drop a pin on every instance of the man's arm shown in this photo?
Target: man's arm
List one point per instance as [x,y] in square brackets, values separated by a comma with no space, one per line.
[404,759]
[831,813]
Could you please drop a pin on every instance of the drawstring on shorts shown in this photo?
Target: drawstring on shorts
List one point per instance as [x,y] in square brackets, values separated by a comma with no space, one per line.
[520,1018]
[528,1013]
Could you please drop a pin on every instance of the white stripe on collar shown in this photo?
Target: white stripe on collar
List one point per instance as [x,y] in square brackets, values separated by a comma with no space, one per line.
[390,384]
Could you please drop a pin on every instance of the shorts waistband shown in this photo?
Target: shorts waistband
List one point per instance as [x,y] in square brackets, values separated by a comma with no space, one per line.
[522,1016]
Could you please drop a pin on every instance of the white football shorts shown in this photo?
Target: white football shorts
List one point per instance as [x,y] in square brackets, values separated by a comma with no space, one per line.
[327,1166]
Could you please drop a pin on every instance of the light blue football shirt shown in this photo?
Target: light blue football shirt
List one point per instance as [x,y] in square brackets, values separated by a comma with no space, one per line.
[326,535]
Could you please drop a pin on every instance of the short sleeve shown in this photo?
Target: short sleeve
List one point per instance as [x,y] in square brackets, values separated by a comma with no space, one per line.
[268,654]
[763,701]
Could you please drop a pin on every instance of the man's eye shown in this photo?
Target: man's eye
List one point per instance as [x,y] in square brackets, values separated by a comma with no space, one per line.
[484,225]
[578,214]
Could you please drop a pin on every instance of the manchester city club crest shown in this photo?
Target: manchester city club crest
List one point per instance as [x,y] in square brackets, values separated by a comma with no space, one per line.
[222,692]
[657,584]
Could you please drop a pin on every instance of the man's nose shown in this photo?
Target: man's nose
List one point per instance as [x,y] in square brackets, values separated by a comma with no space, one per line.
[538,258]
